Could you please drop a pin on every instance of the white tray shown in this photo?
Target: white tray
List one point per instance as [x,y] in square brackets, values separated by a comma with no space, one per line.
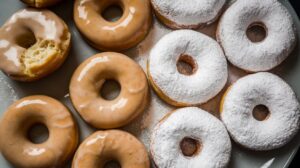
[56,85]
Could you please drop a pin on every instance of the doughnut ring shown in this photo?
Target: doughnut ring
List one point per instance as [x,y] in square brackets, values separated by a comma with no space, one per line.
[277,34]
[188,14]
[112,145]
[205,56]
[122,34]
[190,137]
[21,116]
[33,44]
[88,80]
[275,103]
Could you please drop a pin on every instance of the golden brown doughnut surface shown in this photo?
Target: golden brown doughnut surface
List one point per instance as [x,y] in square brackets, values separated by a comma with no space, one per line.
[88,80]
[33,44]
[105,35]
[112,145]
[40,3]
[21,116]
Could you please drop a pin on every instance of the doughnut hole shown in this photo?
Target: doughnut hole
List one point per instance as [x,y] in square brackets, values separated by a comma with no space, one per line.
[26,39]
[261,112]
[110,89]
[38,133]
[112,164]
[113,12]
[190,147]
[257,32]
[186,65]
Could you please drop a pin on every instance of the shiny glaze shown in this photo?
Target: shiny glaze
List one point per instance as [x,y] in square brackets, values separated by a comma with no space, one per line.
[125,33]
[88,79]
[104,146]
[43,23]
[40,3]
[20,116]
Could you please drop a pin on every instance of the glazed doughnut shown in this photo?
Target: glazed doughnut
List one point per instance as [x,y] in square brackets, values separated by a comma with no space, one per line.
[203,54]
[40,3]
[268,52]
[25,113]
[112,145]
[189,14]
[33,44]
[88,80]
[190,137]
[281,122]
[122,34]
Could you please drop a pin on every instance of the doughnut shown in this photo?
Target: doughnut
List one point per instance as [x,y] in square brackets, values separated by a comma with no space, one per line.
[106,35]
[207,62]
[111,146]
[275,34]
[33,44]
[19,150]
[276,124]
[190,137]
[40,3]
[187,14]
[88,80]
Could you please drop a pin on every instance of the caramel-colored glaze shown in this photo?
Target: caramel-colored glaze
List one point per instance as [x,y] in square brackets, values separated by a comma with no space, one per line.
[104,146]
[125,33]
[45,25]
[88,79]
[21,116]
[40,3]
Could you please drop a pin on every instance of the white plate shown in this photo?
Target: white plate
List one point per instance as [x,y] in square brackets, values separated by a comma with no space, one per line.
[56,85]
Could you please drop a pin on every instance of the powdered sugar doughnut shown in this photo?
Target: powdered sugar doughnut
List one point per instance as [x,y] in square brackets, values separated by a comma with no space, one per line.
[202,53]
[187,13]
[190,137]
[241,101]
[274,20]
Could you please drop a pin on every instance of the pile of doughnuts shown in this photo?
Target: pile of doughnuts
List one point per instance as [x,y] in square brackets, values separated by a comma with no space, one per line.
[185,68]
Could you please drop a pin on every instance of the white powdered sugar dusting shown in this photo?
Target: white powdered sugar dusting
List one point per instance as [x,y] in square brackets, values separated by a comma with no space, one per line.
[189,12]
[257,56]
[198,124]
[261,89]
[205,83]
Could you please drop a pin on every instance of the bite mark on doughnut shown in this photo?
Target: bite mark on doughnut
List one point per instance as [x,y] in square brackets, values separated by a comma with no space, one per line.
[38,55]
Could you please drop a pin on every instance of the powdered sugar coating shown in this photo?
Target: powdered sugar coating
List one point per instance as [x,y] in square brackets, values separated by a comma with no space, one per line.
[260,56]
[198,124]
[189,12]
[269,90]
[199,87]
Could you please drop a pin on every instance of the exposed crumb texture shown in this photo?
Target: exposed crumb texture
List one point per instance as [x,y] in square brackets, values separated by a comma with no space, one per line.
[33,44]
[37,56]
